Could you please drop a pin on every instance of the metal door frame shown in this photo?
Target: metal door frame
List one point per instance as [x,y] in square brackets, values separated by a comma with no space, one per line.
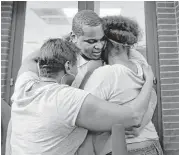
[16,46]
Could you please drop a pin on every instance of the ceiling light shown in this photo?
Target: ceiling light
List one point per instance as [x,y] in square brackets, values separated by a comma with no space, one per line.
[109,12]
[70,12]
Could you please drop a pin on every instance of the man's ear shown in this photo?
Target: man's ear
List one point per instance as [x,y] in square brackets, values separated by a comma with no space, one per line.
[73,37]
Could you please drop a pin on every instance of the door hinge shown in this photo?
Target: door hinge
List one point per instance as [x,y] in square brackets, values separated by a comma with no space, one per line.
[11,82]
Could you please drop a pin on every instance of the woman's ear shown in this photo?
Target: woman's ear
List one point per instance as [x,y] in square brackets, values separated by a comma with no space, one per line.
[73,38]
[67,67]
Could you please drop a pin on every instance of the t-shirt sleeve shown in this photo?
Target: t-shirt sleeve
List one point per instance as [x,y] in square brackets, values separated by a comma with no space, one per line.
[69,103]
[26,79]
[24,83]
[100,83]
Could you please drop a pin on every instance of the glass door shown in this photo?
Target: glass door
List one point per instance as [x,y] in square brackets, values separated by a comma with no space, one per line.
[44,20]
[33,23]
[131,9]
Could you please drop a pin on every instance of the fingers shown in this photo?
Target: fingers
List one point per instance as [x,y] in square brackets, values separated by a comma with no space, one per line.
[136,126]
[132,131]
[133,127]
[129,132]
[129,136]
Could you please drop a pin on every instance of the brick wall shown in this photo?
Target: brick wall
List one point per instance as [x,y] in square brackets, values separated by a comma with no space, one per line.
[6,18]
[168,41]
[177,18]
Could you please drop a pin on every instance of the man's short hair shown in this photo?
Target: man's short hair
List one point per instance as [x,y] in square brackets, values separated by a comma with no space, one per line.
[84,17]
[54,54]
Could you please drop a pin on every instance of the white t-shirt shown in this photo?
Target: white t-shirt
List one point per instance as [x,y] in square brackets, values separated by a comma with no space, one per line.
[43,119]
[84,67]
[118,84]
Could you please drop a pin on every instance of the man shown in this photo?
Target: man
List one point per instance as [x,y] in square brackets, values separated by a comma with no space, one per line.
[88,35]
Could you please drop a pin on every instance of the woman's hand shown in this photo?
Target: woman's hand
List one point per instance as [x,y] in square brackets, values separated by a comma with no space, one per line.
[132,132]
[148,73]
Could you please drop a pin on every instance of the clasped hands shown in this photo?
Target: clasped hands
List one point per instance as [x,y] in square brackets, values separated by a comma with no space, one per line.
[132,132]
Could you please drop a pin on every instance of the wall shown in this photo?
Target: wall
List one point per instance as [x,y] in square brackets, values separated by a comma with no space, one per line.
[6,18]
[177,18]
[167,25]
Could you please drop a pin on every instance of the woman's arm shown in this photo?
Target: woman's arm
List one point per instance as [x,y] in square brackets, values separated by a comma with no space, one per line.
[8,139]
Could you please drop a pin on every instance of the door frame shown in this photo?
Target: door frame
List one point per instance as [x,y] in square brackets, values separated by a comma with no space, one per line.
[153,59]
[85,5]
[16,46]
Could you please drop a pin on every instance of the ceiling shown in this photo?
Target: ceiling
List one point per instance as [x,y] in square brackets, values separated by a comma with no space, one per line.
[49,19]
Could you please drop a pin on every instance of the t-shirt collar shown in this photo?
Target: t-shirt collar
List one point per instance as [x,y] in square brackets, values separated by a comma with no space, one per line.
[81,61]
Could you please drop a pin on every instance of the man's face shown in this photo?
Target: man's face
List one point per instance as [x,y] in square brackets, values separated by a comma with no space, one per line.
[92,42]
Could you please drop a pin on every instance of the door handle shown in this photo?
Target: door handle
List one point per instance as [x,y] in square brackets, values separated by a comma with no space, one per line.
[11,82]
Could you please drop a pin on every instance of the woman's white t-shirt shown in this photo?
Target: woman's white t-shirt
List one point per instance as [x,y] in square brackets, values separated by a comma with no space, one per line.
[43,119]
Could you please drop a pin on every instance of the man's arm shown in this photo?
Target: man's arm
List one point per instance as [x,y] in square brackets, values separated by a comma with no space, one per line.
[30,63]
[99,115]
[150,111]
